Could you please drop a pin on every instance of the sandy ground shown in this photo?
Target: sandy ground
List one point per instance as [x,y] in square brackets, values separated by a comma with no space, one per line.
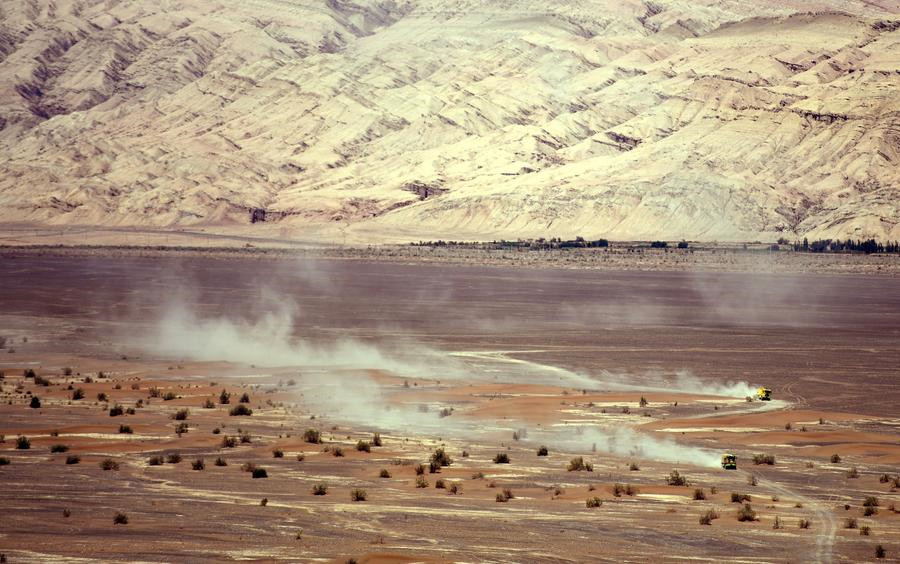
[514,358]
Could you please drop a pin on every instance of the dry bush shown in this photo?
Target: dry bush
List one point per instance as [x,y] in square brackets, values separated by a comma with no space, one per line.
[880,552]
[173,458]
[358,495]
[835,459]
[631,490]
[708,516]
[699,494]
[181,415]
[455,488]
[850,523]
[384,473]
[126,430]
[337,451]
[277,453]
[440,456]
[198,464]
[746,513]
[259,473]
[109,464]
[853,472]
[764,459]
[245,398]
[865,530]
[804,523]
[376,440]
[421,482]
[440,484]
[363,446]
[501,458]
[313,436]
[239,410]
[593,502]
[22,443]
[224,398]
[578,464]
[59,448]
[77,394]
[676,479]
[633,467]
[120,519]
[4,461]
[739,497]
[156,460]
[420,469]
[618,489]
[543,451]
[221,462]
[72,459]
[229,442]
[116,410]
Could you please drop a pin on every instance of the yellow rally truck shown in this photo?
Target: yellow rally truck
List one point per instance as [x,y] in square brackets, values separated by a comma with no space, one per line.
[764,394]
[729,461]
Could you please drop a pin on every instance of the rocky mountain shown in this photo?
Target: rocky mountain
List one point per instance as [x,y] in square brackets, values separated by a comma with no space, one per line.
[419,119]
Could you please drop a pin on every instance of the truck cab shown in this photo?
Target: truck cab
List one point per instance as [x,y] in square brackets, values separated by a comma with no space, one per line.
[764,394]
[729,461]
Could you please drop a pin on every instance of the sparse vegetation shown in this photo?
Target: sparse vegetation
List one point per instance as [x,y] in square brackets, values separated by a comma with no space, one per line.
[120,519]
[676,479]
[169,396]
[870,501]
[746,513]
[501,458]
[853,472]
[777,524]
[240,409]
[259,473]
[880,552]
[245,398]
[804,523]
[578,464]
[320,489]
[593,502]
[764,459]
[421,482]
[198,464]
[384,473]
[208,404]
[109,464]
[337,451]
[181,415]
[4,461]
[116,410]
[865,530]
[221,462]
[869,511]
[229,442]
[419,469]
[59,448]
[277,453]
[126,429]
[699,494]
[850,523]
[224,398]
[440,457]
[173,458]
[77,394]
[835,459]
[707,517]
[376,439]
[440,484]
[358,495]
[739,497]
[72,459]
[633,467]
[156,460]
[181,428]
[543,451]
[312,436]
[363,446]
[505,495]
[22,443]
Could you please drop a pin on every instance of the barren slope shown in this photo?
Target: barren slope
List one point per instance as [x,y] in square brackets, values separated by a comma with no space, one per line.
[455,118]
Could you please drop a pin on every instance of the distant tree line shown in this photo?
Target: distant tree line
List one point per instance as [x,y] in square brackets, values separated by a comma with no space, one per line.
[529,244]
[867,246]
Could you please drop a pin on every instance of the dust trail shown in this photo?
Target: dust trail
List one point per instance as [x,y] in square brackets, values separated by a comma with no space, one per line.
[681,381]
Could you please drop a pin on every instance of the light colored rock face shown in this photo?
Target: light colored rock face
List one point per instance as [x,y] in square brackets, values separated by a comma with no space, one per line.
[699,119]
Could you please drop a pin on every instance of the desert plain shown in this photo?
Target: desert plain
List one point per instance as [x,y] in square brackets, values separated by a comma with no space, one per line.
[387,396]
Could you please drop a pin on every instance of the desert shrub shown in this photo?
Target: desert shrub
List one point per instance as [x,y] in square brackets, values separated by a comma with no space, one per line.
[120,519]
[72,459]
[59,448]
[229,442]
[41,381]
[245,398]
[301,457]
[835,459]
[337,451]
[384,473]
[130,411]
[884,478]
[543,451]
[850,523]
[421,482]
[220,462]
[752,480]
[312,436]
[376,440]
[440,484]
[507,494]
[173,458]
[631,490]
[224,398]
[420,469]
[116,410]
[109,464]
[634,467]
[154,392]
[198,464]
[593,502]
[248,467]
[699,494]
[245,438]
[455,488]
[77,394]
[643,402]
[181,415]
[777,524]
[764,459]
[676,479]
[264,502]
[29,373]
[4,461]
[739,497]
[707,517]
[259,473]
[804,523]
[135,386]
[358,495]
[853,472]
[181,429]
[618,489]
[126,429]
[870,501]
[440,456]
[363,446]
[67,513]
[478,476]
[434,467]
[169,396]
[869,511]
[746,513]
[277,453]
[501,458]
[880,552]
[22,443]
[865,530]
[208,404]
[240,409]
[155,460]
[320,489]
[35,402]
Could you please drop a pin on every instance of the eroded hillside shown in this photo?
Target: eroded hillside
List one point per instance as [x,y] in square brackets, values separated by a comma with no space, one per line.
[706,119]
